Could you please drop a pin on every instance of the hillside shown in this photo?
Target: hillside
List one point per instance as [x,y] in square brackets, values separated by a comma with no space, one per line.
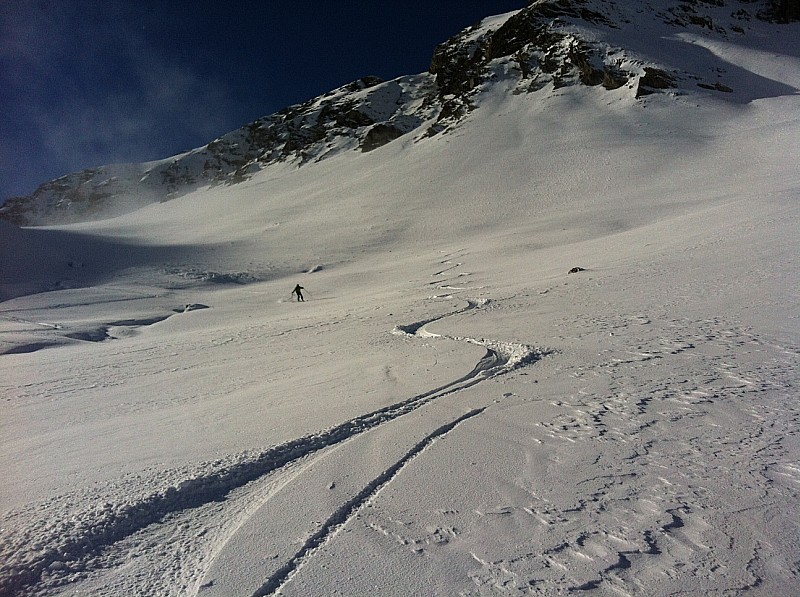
[545,45]
[549,343]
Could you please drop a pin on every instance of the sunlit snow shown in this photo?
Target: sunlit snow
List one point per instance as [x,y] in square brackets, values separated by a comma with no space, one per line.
[450,412]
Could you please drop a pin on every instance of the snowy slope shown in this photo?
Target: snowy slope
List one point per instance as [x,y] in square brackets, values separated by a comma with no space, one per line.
[660,47]
[450,412]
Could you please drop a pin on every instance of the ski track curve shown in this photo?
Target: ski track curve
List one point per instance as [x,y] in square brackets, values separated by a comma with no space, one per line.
[349,509]
[73,545]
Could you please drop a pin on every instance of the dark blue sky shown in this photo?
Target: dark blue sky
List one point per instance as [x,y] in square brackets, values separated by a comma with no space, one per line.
[85,83]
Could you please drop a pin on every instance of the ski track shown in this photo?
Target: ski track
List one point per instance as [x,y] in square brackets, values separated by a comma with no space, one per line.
[75,546]
[347,510]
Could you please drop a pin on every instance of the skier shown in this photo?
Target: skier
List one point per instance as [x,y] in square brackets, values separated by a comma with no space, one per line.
[299,294]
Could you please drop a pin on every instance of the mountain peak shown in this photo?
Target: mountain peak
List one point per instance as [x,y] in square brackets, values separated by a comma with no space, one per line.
[548,45]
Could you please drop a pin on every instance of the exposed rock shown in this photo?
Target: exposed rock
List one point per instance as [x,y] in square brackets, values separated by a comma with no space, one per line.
[653,79]
[353,119]
[380,135]
[191,307]
[364,83]
[716,87]
[614,78]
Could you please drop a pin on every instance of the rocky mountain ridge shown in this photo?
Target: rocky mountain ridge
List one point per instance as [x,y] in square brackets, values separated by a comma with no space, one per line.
[548,45]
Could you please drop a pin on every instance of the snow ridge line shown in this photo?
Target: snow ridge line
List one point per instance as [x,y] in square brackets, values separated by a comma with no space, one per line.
[351,507]
[87,534]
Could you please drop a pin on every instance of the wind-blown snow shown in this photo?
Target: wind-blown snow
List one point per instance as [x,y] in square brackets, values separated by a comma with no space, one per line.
[450,412]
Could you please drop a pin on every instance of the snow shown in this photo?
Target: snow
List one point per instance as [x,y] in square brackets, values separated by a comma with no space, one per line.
[450,412]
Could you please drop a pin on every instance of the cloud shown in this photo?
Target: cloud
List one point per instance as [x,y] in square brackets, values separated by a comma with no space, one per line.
[87,84]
